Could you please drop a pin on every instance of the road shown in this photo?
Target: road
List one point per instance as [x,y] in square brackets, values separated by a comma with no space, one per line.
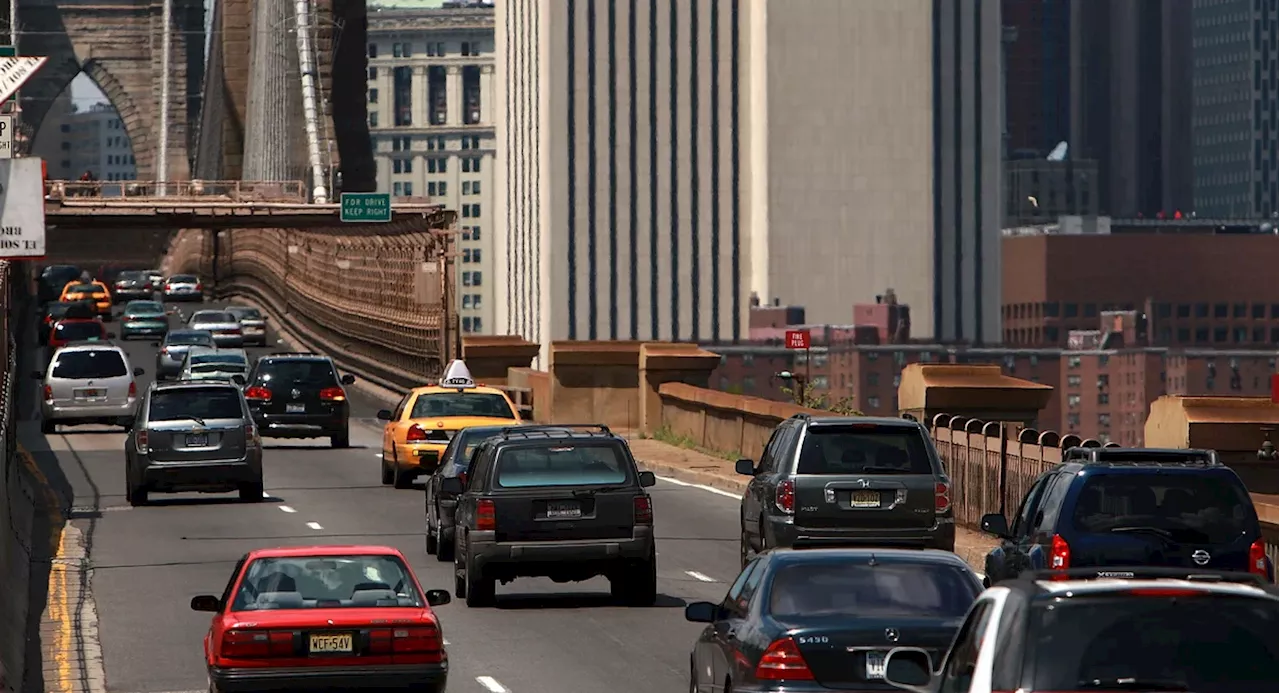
[541,638]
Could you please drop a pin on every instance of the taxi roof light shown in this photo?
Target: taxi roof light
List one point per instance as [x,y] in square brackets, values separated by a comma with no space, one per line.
[457,377]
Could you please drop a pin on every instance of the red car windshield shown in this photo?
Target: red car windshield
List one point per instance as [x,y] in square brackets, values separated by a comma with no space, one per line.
[326,582]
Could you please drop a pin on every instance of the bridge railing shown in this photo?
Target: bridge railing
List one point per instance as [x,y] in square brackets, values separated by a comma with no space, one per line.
[208,190]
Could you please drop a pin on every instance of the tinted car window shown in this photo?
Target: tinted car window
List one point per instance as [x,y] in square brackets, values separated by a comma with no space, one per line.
[1196,508]
[247,313]
[862,591]
[132,276]
[200,403]
[82,365]
[194,338]
[298,371]
[183,279]
[1212,644]
[218,358]
[567,465]
[326,583]
[57,310]
[73,331]
[862,449]
[461,404]
[83,289]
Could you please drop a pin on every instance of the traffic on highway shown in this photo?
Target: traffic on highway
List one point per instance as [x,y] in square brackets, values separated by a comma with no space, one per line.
[258,520]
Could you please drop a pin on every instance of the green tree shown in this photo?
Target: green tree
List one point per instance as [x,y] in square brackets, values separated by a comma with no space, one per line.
[808,396]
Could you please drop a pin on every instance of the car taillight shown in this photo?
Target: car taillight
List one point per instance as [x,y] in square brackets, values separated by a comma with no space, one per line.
[1166,592]
[419,640]
[247,644]
[199,287]
[783,662]
[146,287]
[486,516]
[333,394]
[251,435]
[133,389]
[164,350]
[785,496]
[48,319]
[941,497]
[258,394]
[1059,554]
[1258,558]
[141,439]
[48,393]
[643,510]
[415,434]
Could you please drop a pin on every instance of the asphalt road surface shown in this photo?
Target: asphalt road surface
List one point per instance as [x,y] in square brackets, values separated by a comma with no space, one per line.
[541,638]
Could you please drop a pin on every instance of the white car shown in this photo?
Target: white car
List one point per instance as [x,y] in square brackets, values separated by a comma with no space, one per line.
[203,363]
[224,326]
[183,287]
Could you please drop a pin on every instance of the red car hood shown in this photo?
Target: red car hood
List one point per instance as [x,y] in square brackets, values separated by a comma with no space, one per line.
[299,619]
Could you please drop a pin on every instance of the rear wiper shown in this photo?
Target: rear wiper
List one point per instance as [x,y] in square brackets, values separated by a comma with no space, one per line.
[588,492]
[882,470]
[189,418]
[1162,533]
[1133,684]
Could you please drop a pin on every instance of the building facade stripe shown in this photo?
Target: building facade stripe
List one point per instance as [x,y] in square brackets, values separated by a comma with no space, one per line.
[612,39]
[957,112]
[534,172]
[571,225]
[695,182]
[633,211]
[593,274]
[735,225]
[653,170]
[978,121]
[937,171]
[673,89]
[715,170]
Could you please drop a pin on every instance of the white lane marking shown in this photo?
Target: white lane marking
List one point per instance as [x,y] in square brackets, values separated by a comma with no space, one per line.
[314,525]
[266,495]
[699,576]
[446,641]
[287,509]
[702,487]
[492,684]
[377,455]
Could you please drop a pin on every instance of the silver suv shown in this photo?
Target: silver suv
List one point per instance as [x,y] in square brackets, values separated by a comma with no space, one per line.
[193,436]
[88,382]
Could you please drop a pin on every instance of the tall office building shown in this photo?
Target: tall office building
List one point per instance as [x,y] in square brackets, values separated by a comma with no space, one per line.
[431,120]
[93,140]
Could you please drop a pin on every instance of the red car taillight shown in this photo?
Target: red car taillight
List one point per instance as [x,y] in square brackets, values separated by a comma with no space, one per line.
[141,439]
[486,516]
[250,644]
[785,497]
[1059,554]
[333,394]
[133,389]
[199,287]
[417,640]
[258,394]
[1258,558]
[48,393]
[941,497]
[643,510]
[251,435]
[415,434]
[146,287]
[783,662]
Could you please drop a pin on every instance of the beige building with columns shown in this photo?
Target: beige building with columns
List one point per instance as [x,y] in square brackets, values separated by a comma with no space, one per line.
[431,122]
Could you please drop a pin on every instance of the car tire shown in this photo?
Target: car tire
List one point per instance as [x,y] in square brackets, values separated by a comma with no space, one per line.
[388,474]
[636,584]
[745,552]
[444,544]
[137,496]
[251,493]
[480,589]
[693,677]
[433,545]
[340,440]
[402,479]
[48,427]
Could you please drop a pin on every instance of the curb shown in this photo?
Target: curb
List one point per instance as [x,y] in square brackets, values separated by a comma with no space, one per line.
[692,476]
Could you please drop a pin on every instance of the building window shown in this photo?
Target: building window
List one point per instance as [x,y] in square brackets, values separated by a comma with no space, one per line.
[466,279]
[408,189]
[1104,420]
[466,186]
[1202,335]
[1073,381]
[1073,362]
[373,50]
[475,233]
[466,324]
[373,73]
[1091,310]
[1184,310]
[475,300]
[475,279]
[397,189]
[475,325]
[1073,401]
[1202,310]
[1259,311]
[373,119]
[873,379]
[873,402]
[1104,398]
[444,188]
[475,255]
[1070,310]
[1219,334]
[431,189]
[466,255]
[1239,310]
[373,95]
[1220,310]
[466,301]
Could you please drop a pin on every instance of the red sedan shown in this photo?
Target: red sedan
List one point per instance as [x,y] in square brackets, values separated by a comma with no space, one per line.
[324,617]
[70,330]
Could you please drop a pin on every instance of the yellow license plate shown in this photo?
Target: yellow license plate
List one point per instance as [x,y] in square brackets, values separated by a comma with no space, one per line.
[865,499]
[331,643]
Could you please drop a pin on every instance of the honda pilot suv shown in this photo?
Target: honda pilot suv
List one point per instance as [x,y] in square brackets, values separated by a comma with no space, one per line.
[87,383]
[832,481]
[298,395]
[1106,507]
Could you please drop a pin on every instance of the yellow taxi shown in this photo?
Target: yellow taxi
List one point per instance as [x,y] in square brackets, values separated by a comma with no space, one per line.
[422,424]
[95,291]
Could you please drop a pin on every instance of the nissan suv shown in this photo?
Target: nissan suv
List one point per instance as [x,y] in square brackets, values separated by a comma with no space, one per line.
[86,383]
[833,481]
[299,395]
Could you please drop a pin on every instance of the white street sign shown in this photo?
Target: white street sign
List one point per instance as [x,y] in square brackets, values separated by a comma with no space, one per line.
[14,72]
[6,137]
[22,232]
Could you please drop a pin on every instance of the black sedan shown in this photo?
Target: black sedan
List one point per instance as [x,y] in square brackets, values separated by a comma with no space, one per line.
[815,619]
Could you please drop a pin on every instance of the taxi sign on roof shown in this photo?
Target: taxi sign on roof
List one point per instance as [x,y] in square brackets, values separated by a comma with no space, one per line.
[457,376]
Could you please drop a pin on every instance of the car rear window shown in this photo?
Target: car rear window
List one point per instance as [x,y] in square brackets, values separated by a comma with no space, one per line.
[857,590]
[195,402]
[89,363]
[144,308]
[298,371]
[75,331]
[561,465]
[193,338]
[439,404]
[864,449]
[248,313]
[1193,508]
[57,310]
[132,276]
[83,289]
[217,357]
[212,316]
[182,279]
[1204,643]
[328,582]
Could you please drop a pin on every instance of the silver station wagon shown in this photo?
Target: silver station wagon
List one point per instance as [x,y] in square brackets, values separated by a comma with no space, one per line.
[88,383]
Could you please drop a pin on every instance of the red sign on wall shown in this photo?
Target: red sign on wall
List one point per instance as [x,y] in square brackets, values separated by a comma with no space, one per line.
[1275,388]
[797,339]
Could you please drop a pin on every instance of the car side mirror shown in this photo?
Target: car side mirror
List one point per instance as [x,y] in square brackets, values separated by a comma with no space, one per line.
[438,597]
[37,375]
[745,467]
[451,485]
[206,602]
[384,414]
[909,668]
[701,612]
[995,525]
[138,371]
[238,379]
[647,479]
[348,379]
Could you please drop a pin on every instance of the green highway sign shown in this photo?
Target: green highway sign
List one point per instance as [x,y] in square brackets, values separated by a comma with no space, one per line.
[8,52]
[366,207]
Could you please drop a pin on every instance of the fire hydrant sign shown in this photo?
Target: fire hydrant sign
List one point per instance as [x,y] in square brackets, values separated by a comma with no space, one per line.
[797,339]
[22,233]
[6,137]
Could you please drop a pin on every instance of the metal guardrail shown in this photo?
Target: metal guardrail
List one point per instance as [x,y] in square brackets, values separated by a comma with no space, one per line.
[204,190]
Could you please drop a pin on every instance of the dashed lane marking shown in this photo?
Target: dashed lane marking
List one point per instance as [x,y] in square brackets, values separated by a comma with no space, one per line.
[699,576]
[314,525]
[492,684]
[702,487]
[287,509]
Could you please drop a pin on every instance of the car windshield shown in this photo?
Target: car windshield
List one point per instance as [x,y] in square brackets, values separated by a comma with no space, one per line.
[144,308]
[89,363]
[299,371]
[189,338]
[211,316]
[83,289]
[202,403]
[77,331]
[864,449]
[1201,642]
[328,582]
[1193,508]
[440,404]
[567,464]
[858,590]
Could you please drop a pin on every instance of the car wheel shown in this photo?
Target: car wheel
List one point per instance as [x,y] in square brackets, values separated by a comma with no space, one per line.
[340,440]
[746,553]
[459,584]
[251,493]
[444,544]
[403,480]
[693,677]
[643,590]
[48,427]
[388,474]
[433,541]
[137,496]
[480,590]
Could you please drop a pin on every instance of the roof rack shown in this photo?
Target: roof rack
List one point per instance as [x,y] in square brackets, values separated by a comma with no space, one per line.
[801,415]
[1207,458]
[547,430]
[1146,573]
[294,353]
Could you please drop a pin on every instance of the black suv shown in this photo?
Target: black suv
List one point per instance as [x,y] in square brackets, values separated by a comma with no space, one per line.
[839,480]
[1129,506]
[299,395]
[53,279]
[565,504]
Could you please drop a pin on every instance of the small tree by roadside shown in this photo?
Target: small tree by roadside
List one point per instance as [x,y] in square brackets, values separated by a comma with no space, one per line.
[806,395]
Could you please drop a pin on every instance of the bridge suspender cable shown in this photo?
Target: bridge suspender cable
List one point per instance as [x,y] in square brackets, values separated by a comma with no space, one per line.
[166,43]
[310,104]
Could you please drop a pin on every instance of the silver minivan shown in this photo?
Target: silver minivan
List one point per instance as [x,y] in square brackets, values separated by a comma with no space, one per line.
[88,383]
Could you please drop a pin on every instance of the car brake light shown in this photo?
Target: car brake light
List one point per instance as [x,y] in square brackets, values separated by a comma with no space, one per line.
[1059,554]
[643,510]
[415,433]
[486,516]
[1165,592]
[783,662]
[246,644]
[785,496]
[48,393]
[419,640]
[199,287]
[133,389]
[251,434]
[258,394]
[1258,558]
[140,438]
[941,497]
[146,287]
[333,394]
